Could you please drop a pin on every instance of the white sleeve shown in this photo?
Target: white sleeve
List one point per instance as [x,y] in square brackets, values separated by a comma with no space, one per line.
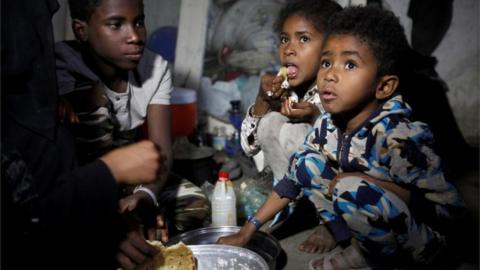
[150,83]
[156,78]
[164,90]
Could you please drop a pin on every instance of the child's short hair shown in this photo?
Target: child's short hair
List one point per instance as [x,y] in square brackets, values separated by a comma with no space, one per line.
[380,29]
[82,9]
[318,12]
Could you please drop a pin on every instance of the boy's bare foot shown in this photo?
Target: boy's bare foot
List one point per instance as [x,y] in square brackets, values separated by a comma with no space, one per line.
[341,259]
[321,240]
[319,265]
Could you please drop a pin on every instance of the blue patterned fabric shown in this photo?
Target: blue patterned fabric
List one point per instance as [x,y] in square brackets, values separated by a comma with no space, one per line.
[388,147]
[381,221]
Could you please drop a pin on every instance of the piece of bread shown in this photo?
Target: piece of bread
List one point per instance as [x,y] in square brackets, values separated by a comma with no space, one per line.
[176,257]
[283,72]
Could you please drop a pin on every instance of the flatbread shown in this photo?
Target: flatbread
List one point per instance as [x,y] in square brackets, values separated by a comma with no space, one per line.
[176,257]
[283,72]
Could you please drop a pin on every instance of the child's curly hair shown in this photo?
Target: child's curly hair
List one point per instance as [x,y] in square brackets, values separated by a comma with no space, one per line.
[82,9]
[379,29]
[318,12]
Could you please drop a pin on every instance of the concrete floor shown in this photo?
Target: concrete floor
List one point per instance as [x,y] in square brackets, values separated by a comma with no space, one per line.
[468,185]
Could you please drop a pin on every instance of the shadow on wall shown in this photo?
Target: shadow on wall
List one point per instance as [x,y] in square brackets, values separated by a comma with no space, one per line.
[424,90]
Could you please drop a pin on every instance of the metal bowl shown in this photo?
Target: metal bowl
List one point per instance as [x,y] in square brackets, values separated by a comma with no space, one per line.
[208,257]
[262,243]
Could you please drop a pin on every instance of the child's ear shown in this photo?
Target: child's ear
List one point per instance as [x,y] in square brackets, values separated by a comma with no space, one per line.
[386,86]
[79,28]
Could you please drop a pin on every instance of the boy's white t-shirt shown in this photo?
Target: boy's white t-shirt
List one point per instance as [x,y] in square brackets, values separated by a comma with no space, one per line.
[150,83]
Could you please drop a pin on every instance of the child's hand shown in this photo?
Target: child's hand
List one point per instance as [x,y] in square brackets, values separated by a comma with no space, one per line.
[300,110]
[65,112]
[237,239]
[270,87]
[132,201]
[154,222]
[133,249]
[160,229]
[268,97]
[138,163]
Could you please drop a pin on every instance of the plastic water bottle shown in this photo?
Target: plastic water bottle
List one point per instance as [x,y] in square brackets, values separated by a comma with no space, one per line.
[224,212]
[235,114]
[219,138]
[235,117]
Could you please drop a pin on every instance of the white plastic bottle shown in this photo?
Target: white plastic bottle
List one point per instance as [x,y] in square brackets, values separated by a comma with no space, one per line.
[224,212]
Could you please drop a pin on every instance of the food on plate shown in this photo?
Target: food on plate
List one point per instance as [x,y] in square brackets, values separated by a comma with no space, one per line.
[175,257]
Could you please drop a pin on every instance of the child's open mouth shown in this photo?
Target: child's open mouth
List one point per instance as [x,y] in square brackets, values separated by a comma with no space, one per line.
[327,95]
[292,71]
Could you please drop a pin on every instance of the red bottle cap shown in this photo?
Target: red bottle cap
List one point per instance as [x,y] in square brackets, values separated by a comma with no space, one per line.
[223,175]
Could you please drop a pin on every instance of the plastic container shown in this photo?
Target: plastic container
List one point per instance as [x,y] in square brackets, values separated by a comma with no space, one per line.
[235,117]
[184,111]
[224,211]
[219,138]
[251,198]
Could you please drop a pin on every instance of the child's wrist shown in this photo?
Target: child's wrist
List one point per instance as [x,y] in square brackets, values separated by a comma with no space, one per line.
[255,222]
[259,108]
[251,112]
[245,235]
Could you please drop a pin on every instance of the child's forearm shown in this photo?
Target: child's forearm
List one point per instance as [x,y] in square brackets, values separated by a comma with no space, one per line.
[272,206]
[399,191]
[402,193]
[260,107]
[392,187]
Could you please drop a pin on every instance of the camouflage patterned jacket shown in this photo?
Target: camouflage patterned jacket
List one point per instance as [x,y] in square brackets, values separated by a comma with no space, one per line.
[386,146]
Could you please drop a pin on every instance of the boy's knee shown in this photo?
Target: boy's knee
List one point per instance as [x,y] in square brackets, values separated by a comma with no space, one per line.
[348,184]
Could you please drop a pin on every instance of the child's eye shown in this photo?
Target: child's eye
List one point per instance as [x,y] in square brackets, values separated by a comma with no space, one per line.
[350,66]
[283,39]
[114,25]
[324,64]
[304,39]
[140,23]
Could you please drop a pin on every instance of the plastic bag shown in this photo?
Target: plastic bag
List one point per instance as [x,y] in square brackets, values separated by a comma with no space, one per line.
[251,194]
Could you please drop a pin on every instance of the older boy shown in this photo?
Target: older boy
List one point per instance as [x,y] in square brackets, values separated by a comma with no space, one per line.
[114,85]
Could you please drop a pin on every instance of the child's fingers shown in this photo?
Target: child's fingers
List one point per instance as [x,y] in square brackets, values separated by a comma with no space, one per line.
[285,110]
[271,87]
[162,228]
[266,85]
[302,105]
[332,184]
[74,118]
[122,206]
[151,234]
